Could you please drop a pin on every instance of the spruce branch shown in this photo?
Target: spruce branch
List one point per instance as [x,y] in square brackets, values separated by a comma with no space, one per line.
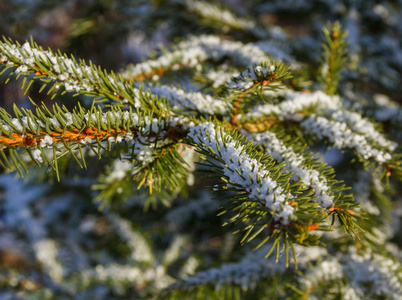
[264,76]
[64,132]
[304,166]
[333,57]
[221,101]
[265,198]
[163,169]
[382,276]
[323,117]
[218,16]
[115,182]
[294,106]
[249,273]
[340,136]
[65,74]
[316,176]
[193,103]
[194,52]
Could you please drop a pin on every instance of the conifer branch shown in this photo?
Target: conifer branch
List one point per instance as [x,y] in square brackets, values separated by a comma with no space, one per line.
[221,101]
[191,102]
[333,57]
[323,117]
[218,16]
[383,275]
[66,73]
[304,166]
[259,76]
[193,52]
[63,131]
[230,279]
[265,195]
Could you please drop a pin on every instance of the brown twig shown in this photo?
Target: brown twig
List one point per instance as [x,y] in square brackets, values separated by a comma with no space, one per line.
[236,105]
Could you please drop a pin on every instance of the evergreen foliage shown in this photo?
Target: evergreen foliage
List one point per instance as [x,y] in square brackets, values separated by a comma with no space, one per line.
[236,123]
